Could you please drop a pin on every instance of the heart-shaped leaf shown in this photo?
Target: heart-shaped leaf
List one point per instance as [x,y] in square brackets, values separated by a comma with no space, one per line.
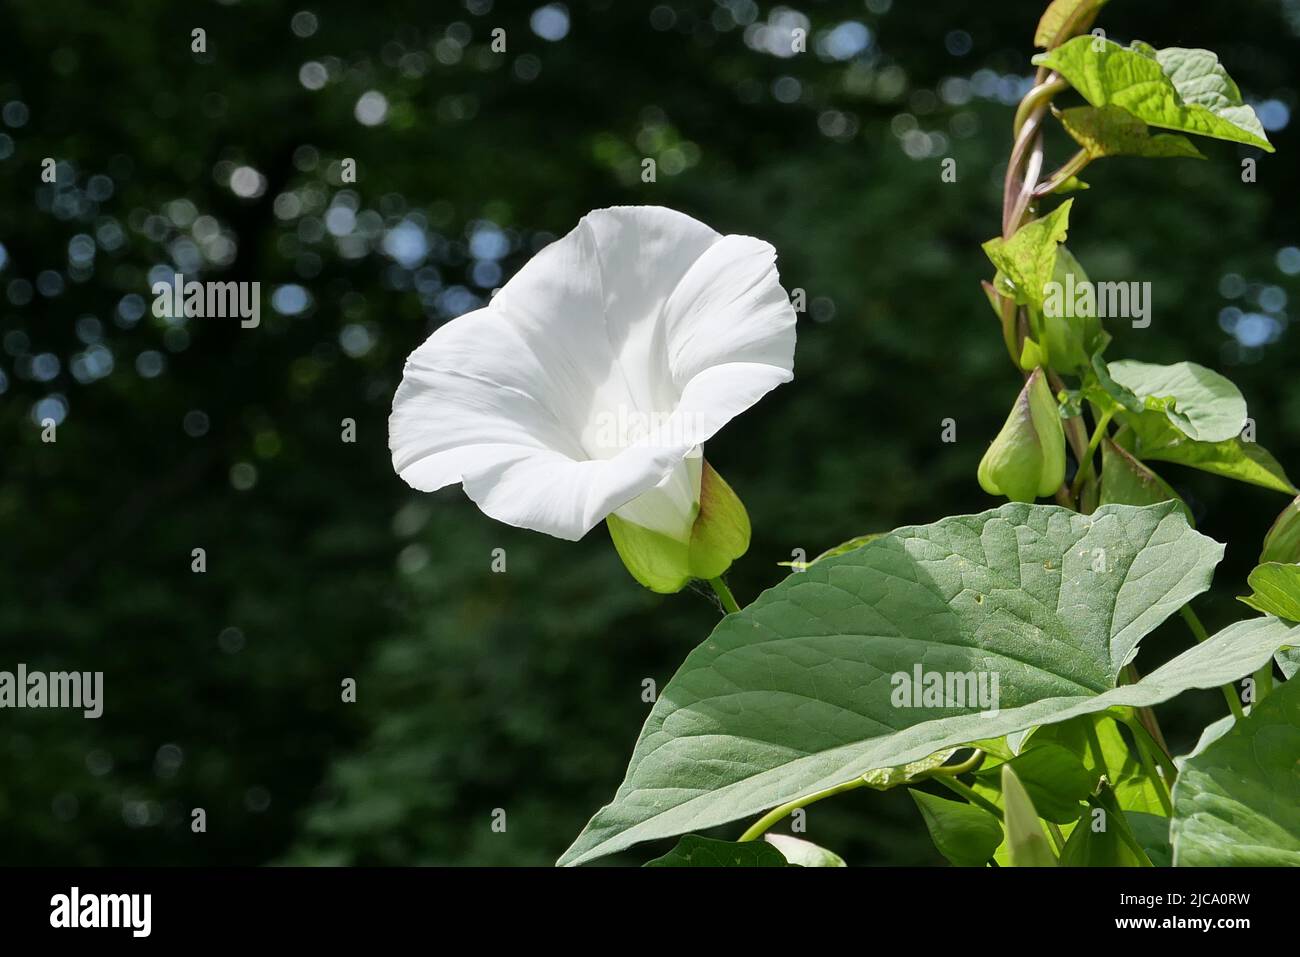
[797,693]
[1175,89]
[1202,404]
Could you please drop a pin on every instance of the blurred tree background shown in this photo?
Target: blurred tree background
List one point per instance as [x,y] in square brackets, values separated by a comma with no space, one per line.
[522,690]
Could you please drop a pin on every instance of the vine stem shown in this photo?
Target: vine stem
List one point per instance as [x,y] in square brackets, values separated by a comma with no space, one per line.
[724,595]
[1201,635]
[1085,467]
[1073,167]
[760,826]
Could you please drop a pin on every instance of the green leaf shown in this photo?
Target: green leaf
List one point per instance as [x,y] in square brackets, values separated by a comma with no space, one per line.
[1114,131]
[1282,543]
[1028,259]
[1175,89]
[1150,436]
[1201,403]
[1098,839]
[964,834]
[1027,842]
[1117,761]
[1152,833]
[693,851]
[1071,185]
[1237,802]
[1276,590]
[1055,779]
[839,549]
[795,694]
[1288,659]
[1063,19]
[804,853]
[1126,481]
[882,779]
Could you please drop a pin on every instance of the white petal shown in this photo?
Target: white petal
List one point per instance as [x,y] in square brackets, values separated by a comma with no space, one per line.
[638,310]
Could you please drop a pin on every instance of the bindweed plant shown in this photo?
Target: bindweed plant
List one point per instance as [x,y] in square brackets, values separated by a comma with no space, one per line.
[988,662]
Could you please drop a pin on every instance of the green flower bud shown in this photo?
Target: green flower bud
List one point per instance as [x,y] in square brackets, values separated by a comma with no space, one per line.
[664,563]
[1070,331]
[1027,459]
[1282,543]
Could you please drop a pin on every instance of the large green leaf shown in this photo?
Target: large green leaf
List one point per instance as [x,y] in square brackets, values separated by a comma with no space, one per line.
[964,834]
[1237,801]
[1201,403]
[693,851]
[1028,259]
[1276,590]
[1152,437]
[1175,89]
[793,695]
[1063,19]
[1114,131]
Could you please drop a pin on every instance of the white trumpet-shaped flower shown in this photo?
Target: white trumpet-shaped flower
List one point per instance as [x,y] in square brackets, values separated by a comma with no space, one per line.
[587,386]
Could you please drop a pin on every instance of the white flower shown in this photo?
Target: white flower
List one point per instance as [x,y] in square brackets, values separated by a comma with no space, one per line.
[588,384]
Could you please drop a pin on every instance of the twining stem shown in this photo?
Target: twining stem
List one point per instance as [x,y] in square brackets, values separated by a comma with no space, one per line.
[957,787]
[785,810]
[1073,167]
[1057,837]
[970,764]
[724,595]
[1085,466]
[1200,634]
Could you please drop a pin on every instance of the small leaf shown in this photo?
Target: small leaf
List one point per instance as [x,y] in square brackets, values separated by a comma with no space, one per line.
[1027,842]
[1117,761]
[1114,131]
[1063,19]
[804,853]
[1175,89]
[1055,780]
[1151,436]
[882,779]
[1098,839]
[1152,833]
[1276,590]
[1028,258]
[694,851]
[840,549]
[1127,481]
[1237,801]
[964,834]
[1202,404]
[1282,543]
